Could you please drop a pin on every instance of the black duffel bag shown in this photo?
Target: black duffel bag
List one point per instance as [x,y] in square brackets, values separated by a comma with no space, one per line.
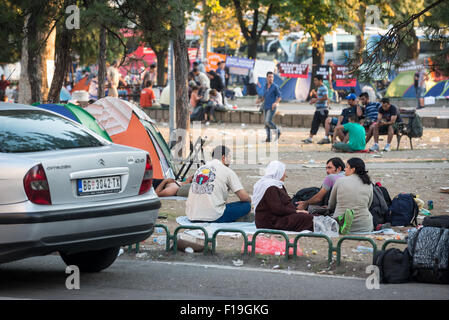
[437,221]
[394,265]
[305,194]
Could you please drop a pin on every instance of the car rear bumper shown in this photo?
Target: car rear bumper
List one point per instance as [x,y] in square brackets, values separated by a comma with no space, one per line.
[25,235]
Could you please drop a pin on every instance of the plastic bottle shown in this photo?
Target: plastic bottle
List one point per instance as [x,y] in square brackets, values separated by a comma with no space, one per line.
[159,240]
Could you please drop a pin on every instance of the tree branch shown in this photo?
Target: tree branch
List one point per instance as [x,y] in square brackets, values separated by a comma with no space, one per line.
[239,14]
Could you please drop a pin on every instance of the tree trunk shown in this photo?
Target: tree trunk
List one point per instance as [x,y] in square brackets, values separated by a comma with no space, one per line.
[318,49]
[252,48]
[161,69]
[360,38]
[37,50]
[102,63]
[61,65]
[181,72]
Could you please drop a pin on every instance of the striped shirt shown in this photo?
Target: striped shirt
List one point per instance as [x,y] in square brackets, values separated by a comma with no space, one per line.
[371,110]
[321,92]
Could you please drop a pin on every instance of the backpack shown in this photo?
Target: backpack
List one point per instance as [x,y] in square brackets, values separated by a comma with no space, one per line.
[403,210]
[384,190]
[414,127]
[394,265]
[379,207]
[305,194]
[429,248]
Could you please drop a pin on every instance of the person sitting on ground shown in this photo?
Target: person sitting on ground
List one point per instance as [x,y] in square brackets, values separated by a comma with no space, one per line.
[370,112]
[351,198]
[272,205]
[171,187]
[353,108]
[334,170]
[387,122]
[210,188]
[147,96]
[356,134]
[214,102]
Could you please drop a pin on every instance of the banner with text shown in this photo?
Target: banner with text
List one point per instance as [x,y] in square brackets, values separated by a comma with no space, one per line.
[342,78]
[322,70]
[240,66]
[293,70]
[213,59]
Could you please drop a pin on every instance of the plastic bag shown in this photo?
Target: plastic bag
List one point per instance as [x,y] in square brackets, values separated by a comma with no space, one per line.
[325,225]
[272,246]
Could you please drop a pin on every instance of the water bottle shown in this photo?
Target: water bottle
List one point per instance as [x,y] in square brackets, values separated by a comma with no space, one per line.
[160,240]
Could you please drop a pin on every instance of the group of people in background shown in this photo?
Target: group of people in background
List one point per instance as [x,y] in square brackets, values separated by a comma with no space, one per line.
[357,123]
[208,91]
[346,193]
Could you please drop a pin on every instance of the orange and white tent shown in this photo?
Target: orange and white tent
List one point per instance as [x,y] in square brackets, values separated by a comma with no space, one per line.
[127,124]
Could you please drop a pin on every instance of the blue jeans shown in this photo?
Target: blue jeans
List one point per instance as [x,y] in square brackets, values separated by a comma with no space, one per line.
[233,211]
[269,124]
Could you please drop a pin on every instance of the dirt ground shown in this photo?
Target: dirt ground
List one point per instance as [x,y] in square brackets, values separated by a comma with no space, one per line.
[421,171]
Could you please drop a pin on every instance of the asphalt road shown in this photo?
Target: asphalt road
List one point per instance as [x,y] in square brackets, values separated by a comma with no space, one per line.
[129,279]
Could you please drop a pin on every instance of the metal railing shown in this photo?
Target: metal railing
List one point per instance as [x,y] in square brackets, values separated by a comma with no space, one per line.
[252,243]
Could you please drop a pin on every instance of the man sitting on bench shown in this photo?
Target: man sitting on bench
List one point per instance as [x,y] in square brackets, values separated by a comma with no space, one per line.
[387,120]
[370,112]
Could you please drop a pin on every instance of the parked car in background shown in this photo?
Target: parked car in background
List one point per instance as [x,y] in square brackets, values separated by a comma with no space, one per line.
[65,189]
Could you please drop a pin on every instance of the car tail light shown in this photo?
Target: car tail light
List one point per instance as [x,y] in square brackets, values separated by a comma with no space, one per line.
[147,177]
[36,185]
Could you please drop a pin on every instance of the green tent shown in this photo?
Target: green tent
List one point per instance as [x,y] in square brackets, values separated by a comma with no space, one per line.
[400,84]
[77,114]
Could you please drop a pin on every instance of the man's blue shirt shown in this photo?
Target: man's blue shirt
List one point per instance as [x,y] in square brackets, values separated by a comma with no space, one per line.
[270,95]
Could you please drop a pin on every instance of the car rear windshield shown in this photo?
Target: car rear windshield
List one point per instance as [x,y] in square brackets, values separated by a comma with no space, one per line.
[35,130]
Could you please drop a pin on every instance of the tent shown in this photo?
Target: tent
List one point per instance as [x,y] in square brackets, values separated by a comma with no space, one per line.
[439,89]
[127,124]
[291,88]
[403,82]
[77,114]
[82,85]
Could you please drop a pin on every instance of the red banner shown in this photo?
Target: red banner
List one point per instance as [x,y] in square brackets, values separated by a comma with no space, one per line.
[293,70]
[342,78]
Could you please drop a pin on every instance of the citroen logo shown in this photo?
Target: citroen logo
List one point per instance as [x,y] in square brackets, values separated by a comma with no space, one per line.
[101,162]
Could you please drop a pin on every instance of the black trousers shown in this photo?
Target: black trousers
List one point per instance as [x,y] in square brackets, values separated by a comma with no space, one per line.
[319,117]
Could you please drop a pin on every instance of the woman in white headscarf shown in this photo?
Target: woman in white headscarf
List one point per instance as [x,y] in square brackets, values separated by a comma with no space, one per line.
[273,206]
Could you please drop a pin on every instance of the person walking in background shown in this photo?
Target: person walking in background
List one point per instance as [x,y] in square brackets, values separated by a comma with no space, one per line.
[420,87]
[271,96]
[321,112]
[113,77]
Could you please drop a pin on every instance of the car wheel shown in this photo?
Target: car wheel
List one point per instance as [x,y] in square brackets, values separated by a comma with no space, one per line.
[91,261]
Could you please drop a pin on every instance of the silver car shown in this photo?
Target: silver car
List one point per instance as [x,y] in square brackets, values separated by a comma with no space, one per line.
[65,189]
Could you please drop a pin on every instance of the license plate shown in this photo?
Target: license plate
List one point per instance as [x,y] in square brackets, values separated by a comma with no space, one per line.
[100,185]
